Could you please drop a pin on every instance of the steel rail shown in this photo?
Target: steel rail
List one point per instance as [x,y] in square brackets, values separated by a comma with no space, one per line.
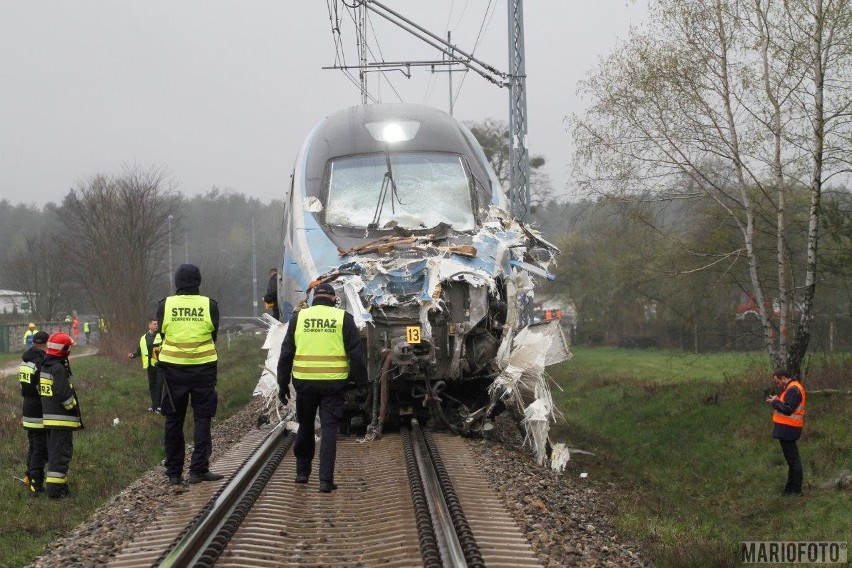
[202,543]
[429,548]
[463,532]
[451,548]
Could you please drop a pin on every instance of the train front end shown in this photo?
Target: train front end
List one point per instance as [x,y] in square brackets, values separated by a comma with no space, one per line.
[397,207]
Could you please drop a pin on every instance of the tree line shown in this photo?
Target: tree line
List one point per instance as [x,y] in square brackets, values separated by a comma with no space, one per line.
[111,248]
[640,272]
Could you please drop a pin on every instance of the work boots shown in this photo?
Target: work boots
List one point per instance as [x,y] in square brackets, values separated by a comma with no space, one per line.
[37,483]
[57,491]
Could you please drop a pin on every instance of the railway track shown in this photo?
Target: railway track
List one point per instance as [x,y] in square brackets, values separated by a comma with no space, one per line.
[408,499]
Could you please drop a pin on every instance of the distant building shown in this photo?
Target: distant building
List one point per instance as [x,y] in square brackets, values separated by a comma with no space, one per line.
[12,302]
[747,305]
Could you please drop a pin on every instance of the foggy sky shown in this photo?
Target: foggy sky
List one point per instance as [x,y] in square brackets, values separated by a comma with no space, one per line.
[223,93]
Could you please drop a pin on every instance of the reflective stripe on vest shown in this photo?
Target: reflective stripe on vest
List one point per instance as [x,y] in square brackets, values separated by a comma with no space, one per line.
[61,421]
[187,331]
[26,372]
[57,414]
[320,352]
[33,422]
[143,349]
[797,419]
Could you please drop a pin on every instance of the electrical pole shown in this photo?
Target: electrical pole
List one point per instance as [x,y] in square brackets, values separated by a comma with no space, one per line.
[450,74]
[171,272]
[362,50]
[253,272]
[519,157]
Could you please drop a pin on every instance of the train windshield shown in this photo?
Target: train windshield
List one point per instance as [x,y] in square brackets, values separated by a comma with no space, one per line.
[430,188]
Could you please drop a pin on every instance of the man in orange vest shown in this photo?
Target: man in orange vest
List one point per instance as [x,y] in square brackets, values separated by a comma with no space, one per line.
[788,417]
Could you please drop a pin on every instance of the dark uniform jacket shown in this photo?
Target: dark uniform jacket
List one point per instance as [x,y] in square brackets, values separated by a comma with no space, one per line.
[29,378]
[271,296]
[354,350]
[59,404]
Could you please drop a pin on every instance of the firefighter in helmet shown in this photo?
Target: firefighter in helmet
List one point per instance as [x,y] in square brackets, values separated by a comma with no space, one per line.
[28,375]
[61,413]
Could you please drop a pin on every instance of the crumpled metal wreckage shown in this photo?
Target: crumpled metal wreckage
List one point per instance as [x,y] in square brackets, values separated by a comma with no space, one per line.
[414,271]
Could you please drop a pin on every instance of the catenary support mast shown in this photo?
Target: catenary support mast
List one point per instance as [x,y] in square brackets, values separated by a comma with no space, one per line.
[519,173]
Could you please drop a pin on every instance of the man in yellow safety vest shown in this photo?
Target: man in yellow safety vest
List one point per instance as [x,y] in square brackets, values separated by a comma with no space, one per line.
[322,350]
[188,323]
[147,350]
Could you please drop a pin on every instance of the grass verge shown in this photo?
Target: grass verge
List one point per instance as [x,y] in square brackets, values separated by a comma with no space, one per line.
[690,438]
[106,458]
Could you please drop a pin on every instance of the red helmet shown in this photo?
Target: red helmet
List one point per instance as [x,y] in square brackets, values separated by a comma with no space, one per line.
[59,344]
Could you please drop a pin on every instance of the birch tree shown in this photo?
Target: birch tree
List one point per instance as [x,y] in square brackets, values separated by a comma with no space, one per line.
[746,100]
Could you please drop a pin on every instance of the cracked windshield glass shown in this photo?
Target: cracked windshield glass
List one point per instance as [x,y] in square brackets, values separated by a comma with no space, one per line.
[431,188]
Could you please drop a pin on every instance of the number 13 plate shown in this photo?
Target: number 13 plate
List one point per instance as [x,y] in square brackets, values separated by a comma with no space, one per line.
[412,334]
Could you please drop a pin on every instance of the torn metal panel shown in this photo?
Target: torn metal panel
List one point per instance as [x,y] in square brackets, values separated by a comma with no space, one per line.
[524,383]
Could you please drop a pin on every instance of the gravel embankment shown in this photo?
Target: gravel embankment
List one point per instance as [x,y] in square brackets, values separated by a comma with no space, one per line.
[566,519]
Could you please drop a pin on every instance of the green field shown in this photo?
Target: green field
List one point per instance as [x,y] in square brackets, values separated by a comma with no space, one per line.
[9,358]
[690,438]
[107,458]
[687,438]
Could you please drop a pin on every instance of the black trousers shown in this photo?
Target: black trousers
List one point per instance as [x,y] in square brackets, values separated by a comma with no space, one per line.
[330,408]
[176,399]
[60,449]
[795,472]
[155,386]
[36,454]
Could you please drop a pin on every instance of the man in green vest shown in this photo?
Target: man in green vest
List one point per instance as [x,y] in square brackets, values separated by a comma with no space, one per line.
[322,350]
[149,345]
[188,323]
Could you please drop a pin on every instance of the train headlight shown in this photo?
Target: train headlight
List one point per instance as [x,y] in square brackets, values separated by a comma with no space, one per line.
[393,131]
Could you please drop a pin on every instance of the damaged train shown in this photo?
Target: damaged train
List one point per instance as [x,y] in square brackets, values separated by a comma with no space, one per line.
[398,208]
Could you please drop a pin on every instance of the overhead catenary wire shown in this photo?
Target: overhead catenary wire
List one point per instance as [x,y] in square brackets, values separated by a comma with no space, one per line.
[381,58]
[450,15]
[361,19]
[487,71]
[361,40]
[486,22]
[339,52]
[430,86]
